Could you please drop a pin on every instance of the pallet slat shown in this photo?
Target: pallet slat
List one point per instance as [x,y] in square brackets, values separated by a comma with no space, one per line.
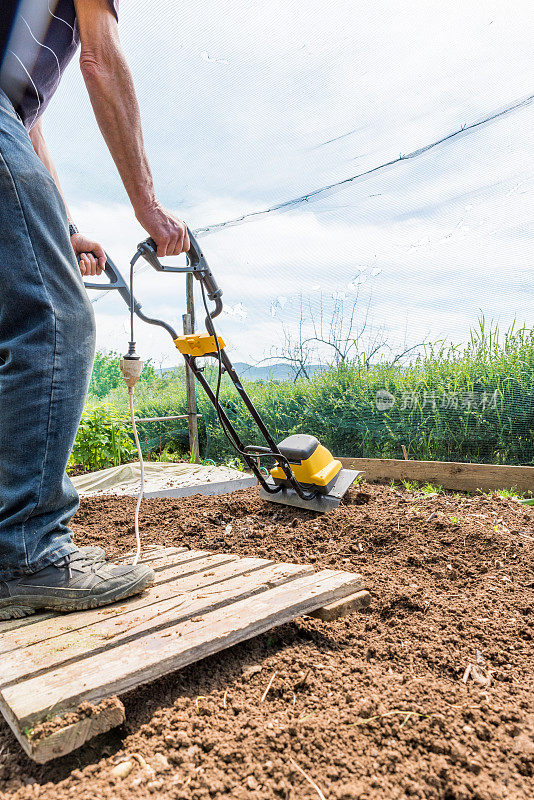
[340,608]
[197,596]
[159,653]
[67,739]
[164,586]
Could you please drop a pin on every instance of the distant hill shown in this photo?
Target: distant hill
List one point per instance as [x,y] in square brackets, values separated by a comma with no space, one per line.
[269,372]
[277,372]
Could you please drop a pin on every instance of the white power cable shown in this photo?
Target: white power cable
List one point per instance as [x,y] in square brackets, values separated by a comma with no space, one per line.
[142,483]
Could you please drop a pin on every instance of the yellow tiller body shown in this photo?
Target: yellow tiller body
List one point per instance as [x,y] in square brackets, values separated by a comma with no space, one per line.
[316,466]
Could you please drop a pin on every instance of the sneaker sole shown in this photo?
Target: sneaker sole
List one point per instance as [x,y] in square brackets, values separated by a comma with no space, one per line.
[16,608]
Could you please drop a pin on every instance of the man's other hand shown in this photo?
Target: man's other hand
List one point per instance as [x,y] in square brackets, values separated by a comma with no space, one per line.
[169,232]
[89,254]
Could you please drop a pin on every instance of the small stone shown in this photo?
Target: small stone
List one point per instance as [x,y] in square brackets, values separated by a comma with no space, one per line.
[122,770]
[248,672]
[467,729]
[252,783]
[155,786]
[160,763]
[524,744]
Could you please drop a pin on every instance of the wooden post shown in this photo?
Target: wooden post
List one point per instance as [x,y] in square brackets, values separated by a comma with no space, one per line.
[189,327]
[190,300]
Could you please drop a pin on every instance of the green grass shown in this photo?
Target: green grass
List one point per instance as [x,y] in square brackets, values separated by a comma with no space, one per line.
[430,489]
[473,402]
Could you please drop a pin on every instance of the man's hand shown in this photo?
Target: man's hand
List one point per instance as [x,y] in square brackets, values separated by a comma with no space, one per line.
[169,232]
[90,255]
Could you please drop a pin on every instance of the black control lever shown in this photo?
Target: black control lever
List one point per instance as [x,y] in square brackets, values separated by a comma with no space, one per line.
[196,264]
[116,281]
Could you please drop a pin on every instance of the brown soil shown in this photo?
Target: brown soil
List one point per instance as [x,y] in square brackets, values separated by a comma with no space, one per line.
[44,729]
[373,706]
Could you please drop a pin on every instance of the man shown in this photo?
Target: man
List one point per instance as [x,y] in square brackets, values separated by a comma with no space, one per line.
[46,320]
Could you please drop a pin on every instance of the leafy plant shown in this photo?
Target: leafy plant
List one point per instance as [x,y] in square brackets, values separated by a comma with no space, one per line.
[429,488]
[472,402]
[235,463]
[103,439]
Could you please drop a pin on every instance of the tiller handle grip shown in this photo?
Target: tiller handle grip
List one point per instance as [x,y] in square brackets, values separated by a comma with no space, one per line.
[196,264]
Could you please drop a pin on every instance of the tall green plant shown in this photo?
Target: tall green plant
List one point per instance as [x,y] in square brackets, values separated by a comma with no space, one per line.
[102,440]
[470,402]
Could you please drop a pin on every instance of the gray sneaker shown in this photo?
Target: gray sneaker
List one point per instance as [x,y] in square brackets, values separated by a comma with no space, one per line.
[74,583]
[93,552]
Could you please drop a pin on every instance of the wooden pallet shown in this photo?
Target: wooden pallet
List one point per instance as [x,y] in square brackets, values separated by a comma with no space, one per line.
[201,603]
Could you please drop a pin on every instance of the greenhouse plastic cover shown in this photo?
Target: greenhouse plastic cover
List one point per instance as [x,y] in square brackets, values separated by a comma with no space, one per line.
[374,158]
[395,140]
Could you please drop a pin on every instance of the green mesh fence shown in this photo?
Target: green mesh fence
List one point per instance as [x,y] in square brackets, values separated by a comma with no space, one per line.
[476,404]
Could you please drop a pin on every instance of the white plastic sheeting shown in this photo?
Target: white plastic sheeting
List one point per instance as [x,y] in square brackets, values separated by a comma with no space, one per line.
[160,478]
[396,140]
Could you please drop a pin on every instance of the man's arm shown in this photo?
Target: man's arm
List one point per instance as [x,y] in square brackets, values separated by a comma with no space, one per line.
[112,94]
[91,256]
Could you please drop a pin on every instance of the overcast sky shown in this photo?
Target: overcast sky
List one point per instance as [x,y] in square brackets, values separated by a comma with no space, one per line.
[246,106]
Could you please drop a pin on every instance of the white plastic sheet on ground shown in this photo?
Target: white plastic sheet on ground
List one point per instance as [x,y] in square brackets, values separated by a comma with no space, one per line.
[159,476]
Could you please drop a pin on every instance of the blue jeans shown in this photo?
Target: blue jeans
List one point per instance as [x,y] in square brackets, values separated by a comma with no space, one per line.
[46,355]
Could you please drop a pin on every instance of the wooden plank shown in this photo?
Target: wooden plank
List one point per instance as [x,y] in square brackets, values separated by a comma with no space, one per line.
[197,599]
[158,556]
[192,568]
[14,624]
[149,555]
[159,653]
[167,566]
[67,739]
[340,608]
[209,571]
[449,474]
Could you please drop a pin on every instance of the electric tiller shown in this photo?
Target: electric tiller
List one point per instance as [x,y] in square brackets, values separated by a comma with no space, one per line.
[305,474]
